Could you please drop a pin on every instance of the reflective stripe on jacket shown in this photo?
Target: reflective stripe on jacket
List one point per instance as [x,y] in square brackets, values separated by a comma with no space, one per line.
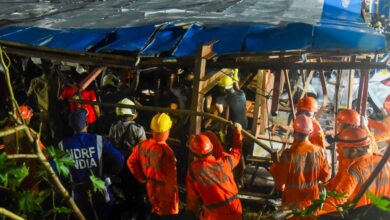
[210,182]
[155,163]
[297,174]
[358,173]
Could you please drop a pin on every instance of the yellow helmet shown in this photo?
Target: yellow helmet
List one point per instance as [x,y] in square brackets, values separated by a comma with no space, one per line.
[161,122]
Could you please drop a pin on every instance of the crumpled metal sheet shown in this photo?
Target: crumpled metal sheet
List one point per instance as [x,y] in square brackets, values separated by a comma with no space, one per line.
[124,13]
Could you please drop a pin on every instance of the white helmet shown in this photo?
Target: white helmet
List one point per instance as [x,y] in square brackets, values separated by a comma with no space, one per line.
[125,111]
[110,79]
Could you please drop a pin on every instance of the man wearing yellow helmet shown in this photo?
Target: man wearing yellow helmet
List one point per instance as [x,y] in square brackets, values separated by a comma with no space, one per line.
[154,163]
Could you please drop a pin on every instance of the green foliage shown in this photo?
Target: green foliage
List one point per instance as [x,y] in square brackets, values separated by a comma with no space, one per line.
[30,202]
[59,210]
[11,174]
[97,183]
[310,210]
[334,194]
[61,159]
[380,202]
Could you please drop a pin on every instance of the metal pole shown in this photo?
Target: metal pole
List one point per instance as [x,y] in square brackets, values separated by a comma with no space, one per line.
[176,111]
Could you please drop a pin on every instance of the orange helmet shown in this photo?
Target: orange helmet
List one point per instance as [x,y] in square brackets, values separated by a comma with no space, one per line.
[353,137]
[386,105]
[348,116]
[308,104]
[303,124]
[26,112]
[200,145]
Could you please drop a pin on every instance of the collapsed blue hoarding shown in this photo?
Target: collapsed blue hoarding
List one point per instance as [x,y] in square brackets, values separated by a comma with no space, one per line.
[341,28]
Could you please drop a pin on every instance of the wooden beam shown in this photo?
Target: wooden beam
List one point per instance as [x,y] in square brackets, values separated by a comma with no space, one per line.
[365,73]
[307,83]
[259,79]
[324,92]
[351,78]
[129,60]
[276,92]
[211,80]
[197,97]
[290,96]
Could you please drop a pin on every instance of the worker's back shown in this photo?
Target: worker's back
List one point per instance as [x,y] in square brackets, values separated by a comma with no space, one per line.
[299,172]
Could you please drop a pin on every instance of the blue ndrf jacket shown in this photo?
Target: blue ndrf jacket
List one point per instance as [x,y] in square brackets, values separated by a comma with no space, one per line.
[91,153]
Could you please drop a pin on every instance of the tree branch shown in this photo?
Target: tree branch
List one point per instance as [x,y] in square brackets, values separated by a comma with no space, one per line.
[9,214]
[22,156]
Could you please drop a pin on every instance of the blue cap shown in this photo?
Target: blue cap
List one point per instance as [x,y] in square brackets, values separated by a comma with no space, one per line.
[78,119]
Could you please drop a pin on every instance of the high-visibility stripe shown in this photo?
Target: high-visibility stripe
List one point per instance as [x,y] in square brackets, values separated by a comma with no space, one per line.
[99,145]
[355,173]
[229,158]
[219,204]
[301,186]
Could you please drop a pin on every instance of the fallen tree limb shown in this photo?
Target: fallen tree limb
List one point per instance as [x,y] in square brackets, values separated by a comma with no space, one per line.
[9,214]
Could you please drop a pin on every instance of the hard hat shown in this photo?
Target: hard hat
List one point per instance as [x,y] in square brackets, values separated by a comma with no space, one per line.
[26,112]
[303,124]
[110,80]
[125,111]
[386,105]
[161,122]
[353,137]
[226,82]
[200,144]
[308,104]
[348,116]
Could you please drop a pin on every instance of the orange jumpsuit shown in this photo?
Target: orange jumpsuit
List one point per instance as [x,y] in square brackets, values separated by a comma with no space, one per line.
[210,181]
[155,163]
[358,173]
[298,173]
[383,127]
[318,136]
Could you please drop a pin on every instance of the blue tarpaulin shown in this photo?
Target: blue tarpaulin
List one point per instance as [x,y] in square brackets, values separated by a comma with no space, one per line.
[340,28]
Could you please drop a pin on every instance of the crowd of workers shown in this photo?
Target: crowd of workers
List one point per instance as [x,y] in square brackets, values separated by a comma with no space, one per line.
[140,168]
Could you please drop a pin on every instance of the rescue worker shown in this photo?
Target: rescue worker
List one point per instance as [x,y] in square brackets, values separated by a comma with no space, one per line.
[308,107]
[153,162]
[301,167]
[354,143]
[347,118]
[125,134]
[210,181]
[93,154]
[382,127]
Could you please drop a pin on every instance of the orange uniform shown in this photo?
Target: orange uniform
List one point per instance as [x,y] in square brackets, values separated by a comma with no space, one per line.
[210,181]
[298,173]
[383,127]
[155,163]
[358,173]
[318,136]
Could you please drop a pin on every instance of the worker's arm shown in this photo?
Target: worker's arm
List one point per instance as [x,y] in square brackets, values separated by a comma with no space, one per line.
[95,107]
[235,153]
[346,187]
[279,170]
[134,165]
[324,169]
[193,199]
[112,158]
[376,125]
